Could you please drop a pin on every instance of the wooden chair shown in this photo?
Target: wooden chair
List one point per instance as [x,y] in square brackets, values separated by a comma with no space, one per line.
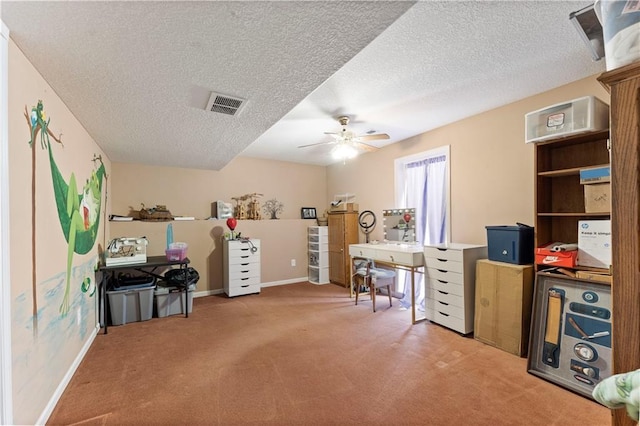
[373,278]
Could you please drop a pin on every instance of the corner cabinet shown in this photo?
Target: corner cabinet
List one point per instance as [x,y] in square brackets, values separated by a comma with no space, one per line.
[343,231]
[559,196]
[241,264]
[318,254]
[624,85]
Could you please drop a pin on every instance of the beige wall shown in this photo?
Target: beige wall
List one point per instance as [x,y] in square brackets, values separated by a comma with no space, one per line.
[45,345]
[190,192]
[491,166]
[491,184]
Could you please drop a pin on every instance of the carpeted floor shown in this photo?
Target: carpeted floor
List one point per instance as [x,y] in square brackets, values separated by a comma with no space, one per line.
[303,354]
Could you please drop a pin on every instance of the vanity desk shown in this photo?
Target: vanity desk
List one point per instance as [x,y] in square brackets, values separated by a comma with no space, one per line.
[405,256]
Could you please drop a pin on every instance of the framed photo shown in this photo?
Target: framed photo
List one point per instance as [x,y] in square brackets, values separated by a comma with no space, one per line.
[308,213]
[570,342]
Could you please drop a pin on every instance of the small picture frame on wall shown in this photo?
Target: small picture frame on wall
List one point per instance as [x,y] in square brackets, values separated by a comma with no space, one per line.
[308,213]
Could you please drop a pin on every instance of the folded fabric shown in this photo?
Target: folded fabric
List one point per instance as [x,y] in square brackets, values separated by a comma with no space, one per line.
[620,390]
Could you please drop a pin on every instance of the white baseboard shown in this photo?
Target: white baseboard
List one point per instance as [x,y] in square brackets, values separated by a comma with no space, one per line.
[284,282]
[67,378]
[205,293]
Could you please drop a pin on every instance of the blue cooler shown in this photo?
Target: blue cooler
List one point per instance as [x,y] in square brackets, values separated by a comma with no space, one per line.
[511,244]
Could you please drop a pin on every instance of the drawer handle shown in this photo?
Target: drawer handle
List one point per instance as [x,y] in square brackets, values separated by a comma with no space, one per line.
[244,272]
[244,257]
[443,282]
[243,264]
[244,279]
[441,249]
[244,249]
[442,313]
[443,271]
[442,303]
[244,286]
[442,292]
[392,258]
[442,260]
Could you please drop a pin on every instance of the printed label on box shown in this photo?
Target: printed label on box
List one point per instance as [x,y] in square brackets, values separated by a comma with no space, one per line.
[555,120]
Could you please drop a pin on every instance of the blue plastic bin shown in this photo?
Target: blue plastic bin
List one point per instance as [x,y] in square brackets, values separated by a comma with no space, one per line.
[511,244]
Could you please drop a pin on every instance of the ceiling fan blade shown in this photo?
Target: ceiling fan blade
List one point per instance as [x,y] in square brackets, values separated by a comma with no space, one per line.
[316,144]
[366,146]
[375,137]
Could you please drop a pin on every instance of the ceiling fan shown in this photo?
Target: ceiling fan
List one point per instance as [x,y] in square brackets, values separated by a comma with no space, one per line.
[347,144]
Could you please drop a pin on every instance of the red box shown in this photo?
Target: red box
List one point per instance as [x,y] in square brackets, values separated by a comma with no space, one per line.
[567,259]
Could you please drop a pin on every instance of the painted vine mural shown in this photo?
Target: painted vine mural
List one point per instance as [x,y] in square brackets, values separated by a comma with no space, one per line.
[78,211]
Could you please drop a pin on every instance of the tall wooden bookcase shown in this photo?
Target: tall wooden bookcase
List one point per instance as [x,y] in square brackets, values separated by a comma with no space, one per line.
[624,86]
[343,230]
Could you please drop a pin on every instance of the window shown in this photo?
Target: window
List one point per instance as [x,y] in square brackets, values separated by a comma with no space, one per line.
[422,182]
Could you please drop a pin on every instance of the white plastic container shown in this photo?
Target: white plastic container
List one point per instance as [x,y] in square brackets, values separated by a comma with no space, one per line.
[131,305]
[586,114]
[170,300]
[621,31]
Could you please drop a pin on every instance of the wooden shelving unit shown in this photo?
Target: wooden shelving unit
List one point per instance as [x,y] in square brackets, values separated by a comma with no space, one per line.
[559,196]
[624,86]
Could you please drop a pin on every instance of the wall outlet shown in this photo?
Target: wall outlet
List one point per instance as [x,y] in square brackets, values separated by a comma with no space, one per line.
[293,262]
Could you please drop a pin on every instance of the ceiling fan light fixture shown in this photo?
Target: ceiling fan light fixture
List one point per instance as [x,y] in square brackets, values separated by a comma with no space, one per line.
[344,151]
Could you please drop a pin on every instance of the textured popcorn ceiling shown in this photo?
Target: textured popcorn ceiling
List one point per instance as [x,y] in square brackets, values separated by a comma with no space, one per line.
[138,74]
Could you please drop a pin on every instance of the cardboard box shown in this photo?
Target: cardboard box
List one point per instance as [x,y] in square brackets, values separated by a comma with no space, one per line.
[597,189]
[545,256]
[594,243]
[504,294]
[344,207]
[597,198]
[595,276]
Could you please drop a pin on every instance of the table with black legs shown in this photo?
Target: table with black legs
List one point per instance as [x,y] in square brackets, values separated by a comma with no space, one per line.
[148,268]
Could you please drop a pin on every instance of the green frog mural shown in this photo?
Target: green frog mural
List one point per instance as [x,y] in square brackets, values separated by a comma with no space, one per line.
[78,211]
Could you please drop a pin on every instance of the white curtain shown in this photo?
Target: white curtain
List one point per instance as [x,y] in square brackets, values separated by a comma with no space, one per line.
[425,188]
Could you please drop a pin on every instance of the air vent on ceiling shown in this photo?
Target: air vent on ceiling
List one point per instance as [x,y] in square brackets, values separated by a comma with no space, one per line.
[225,104]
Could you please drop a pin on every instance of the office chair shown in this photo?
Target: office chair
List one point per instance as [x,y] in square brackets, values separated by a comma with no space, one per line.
[373,278]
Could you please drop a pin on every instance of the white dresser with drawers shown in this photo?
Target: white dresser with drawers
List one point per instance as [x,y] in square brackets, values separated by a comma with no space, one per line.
[450,276]
[241,263]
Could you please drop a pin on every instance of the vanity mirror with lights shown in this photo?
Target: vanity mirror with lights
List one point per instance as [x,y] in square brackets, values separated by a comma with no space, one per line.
[399,225]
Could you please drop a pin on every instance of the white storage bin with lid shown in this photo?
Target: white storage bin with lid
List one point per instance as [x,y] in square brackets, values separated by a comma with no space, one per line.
[586,114]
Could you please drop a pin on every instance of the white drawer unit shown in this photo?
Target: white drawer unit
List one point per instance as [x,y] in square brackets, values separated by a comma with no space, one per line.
[450,284]
[318,240]
[241,263]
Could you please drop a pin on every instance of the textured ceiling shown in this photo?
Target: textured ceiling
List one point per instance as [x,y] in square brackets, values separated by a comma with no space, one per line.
[138,74]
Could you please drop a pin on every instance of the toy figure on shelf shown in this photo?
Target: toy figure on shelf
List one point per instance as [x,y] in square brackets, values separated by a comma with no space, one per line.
[254,207]
[240,211]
